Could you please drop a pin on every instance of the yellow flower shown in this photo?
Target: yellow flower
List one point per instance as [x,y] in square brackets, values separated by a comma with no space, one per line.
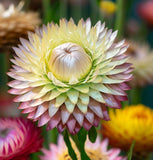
[67,74]
[129,124]
[107,7]
[15,23]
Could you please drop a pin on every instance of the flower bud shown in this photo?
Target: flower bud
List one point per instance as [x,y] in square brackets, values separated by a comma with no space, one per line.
[69,62]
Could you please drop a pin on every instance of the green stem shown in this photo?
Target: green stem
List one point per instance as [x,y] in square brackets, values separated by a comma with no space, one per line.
[46,137]
[63,9]
[135,95]
[4,65]
[95,13]
[46,11]
[84,156]
[49,136]
[119,22]
[79,140]
[52,136]
[69,146]
[129,156]
[76,12]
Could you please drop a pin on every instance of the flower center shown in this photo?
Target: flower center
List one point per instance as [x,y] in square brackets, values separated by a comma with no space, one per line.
[96,154]
[69,62]
[93,155]
[4,132]
[140,116]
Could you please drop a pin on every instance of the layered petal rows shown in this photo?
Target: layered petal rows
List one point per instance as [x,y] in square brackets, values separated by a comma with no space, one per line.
[133,123]
[49,90]
[19,138]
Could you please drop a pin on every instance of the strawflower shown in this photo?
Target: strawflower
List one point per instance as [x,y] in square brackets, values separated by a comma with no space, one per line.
[141,56]
[95,151]
[19,138]
[133,123]
[67,74]
[15,23]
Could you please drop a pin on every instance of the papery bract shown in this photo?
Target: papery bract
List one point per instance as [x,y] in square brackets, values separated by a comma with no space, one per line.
[67,75]
[19,138]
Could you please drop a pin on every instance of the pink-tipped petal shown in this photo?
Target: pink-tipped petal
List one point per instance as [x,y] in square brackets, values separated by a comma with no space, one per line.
[19,138]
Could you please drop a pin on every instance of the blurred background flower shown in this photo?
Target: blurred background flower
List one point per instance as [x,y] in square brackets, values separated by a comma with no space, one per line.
[15,23]
[19,138]
[145,10]
[95,151]
[133,123]
[107,7]
[141,56]
[132,19]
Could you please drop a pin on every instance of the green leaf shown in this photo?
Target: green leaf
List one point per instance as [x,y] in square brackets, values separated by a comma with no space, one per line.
[131,151]
[92,134]
[69,146]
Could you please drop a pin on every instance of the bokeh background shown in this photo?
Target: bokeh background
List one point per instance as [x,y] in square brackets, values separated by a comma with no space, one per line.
[132,18]
[133,26]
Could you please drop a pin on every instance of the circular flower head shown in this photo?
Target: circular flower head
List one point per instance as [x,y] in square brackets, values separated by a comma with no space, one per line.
[67,74]
[145,11]
[131,123]
[15,23]
[19,138]
[142,59]
[95,151]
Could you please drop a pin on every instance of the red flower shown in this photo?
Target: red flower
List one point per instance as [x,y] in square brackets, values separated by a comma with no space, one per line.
[19,138]
[145,10]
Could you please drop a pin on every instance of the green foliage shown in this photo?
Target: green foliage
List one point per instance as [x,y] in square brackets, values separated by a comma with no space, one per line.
[79,140]
[50,11]
[98,1]
[69,146]
[92,134]
[131,151]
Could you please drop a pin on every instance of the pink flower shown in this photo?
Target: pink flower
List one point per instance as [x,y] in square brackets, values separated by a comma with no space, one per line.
[145,11]
[95,151]
[19,138]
